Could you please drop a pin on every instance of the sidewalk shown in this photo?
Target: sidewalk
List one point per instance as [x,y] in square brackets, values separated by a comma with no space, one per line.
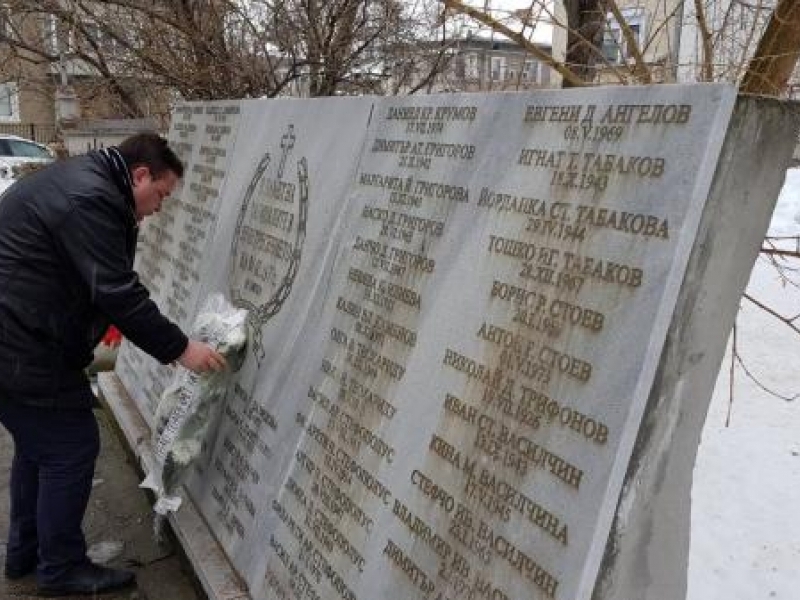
[118,511]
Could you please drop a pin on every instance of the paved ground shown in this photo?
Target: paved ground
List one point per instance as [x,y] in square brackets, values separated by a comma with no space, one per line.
[118,511]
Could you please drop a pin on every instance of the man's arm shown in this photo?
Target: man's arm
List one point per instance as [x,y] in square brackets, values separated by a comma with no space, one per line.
[92,238]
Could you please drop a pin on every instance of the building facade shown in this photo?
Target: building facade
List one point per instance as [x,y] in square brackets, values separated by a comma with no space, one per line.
[58,59]
[494,64]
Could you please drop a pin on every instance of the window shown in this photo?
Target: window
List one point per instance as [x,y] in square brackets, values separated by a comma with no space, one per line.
[5,102]
[530,72]
[472,71]
[611,45]
[24,149]
[51,33]
[544,75]
[9,103]
[498,68]
[615,48]
[59,36]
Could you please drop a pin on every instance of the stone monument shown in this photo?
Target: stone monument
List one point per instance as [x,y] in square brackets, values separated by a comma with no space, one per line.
[483,334]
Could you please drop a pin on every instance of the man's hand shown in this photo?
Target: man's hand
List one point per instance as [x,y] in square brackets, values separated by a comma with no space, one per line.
[201,358]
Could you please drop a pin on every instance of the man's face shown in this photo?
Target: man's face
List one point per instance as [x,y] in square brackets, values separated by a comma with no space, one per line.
[149,192]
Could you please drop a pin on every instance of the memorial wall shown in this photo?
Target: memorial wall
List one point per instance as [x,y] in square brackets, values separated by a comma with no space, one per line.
[458,305]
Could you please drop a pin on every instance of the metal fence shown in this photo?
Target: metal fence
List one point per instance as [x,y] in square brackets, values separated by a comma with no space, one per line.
[44,133]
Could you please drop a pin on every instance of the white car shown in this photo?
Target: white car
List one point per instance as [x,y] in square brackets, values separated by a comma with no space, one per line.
[19,156]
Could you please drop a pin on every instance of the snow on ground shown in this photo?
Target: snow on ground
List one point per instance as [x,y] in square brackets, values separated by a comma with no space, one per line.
[746,494]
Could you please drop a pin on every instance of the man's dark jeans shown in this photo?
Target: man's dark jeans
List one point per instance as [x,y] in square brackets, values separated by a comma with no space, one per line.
[51,479]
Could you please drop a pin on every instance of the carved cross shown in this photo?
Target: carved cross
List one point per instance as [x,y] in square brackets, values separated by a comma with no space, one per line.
[287,143]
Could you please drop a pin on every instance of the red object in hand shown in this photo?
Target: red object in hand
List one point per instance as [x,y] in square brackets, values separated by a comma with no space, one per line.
[112,337]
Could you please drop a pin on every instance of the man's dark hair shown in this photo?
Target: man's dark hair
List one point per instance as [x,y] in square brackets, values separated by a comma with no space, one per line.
[152,151]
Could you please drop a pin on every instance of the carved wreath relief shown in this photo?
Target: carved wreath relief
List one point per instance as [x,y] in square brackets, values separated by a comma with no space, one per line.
[269,236]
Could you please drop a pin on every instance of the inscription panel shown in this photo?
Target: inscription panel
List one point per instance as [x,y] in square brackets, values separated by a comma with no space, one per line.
[457,304]
[495,318]
[276,242]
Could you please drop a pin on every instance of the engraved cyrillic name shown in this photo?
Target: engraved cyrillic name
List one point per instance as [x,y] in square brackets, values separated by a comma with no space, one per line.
[501,498]
[393,220]
[325,490]
[366,360]
[415,189]
[419,154]
[626,114]
[418,577]
[544,313]
[349,431]
[320,495]
[376,289]
[250,420]
[310,558]
[355,394]
[392,259]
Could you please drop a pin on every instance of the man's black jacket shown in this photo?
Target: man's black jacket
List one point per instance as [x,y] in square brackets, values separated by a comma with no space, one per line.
[67,242]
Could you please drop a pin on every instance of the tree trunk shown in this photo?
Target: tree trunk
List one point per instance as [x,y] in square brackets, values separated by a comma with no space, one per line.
[777,52]
[585,22]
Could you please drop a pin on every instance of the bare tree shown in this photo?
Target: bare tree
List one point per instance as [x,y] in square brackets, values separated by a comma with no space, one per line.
[352,46]
[136,51]
[738,40]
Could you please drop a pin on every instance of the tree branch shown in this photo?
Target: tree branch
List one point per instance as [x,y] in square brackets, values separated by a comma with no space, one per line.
[529,46]
[640,69]
[785,320]
[707,68]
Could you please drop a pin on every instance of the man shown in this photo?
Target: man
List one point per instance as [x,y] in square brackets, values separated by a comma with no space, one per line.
[67,241]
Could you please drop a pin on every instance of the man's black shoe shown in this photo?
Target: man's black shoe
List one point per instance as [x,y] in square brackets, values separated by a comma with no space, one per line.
[88,579]
[19,571]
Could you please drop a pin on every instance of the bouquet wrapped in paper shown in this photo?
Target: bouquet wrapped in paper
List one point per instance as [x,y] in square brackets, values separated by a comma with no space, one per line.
[189,409]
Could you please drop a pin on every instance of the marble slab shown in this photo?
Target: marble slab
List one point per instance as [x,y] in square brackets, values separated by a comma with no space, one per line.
[495,325]
[458,310]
